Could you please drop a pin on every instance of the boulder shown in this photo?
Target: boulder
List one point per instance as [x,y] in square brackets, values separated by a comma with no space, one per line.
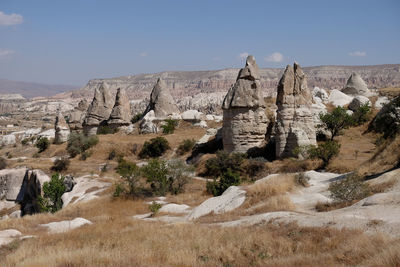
[99,110]
[210,133]
[11,181]
[161,101]
[244,119]
[358,101]
[320,95]
[147,125]
[69,183]
[295,124]
[356,86]
[7,236]
[77,115]
[121,112]
[61,129]
[65,226]
[192,116]
[338,98]
[8,139]
[201,124]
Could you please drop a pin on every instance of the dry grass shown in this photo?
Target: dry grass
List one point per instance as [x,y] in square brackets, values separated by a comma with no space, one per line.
[328,206]
[390,92]
[194,194]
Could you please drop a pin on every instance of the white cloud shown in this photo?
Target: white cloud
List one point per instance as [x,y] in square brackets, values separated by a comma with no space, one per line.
[143,54]
[12,19]
[243,55]
[5,52]
[358,54]
[274,57]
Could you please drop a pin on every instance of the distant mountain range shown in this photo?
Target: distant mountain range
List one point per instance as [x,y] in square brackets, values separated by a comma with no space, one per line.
[30,90]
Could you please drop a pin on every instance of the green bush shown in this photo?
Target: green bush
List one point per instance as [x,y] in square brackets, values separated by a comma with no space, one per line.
[325,151]
[185,146]
[130,172]
[227,179]
[60,165]
[217,166]
[78,143]
[106,129]
[170,126]
[85,155]
[155,147]
[156,173]
[335,121]
[178,175]
[155,207]
[136,118]
[52,192]
[361,115]
[349,189]
[42,144]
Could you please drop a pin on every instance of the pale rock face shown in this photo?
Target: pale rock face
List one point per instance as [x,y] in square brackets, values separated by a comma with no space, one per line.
[356,86]
[121,112]
[358,101]
[192,116]
[338,98]
[381,101]
[8,139]
[244,120]
[77,116]
[201,124]
[161,101]
[61,129]
[65,226]
[212,132]
[99,110]
[147,125]
[320,95]
[295,124]
[10,183]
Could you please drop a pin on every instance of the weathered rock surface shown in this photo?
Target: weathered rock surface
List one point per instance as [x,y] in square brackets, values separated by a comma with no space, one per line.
[356,86]
[121,112]
[358,101]
[231,199]
[192,116]
[99,110]
[295,122]
[9,235]
[244,119]
[161,101]
[381,101]
[147,124]
[77,116]
[338,98]
[387,120]
[320,95]
[11,182]
[65,226]
[61,129]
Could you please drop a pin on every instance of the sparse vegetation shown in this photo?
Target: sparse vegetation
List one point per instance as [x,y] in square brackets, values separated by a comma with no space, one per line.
[106,129]
[325,151]
[335,121]
[216,167]
[130,172]
[112,154]
[361,115]
[52,192]
[301,179]
[136,118]
[42,144]
[349,189]
[78,143]
[60,165]
[185,146]
[155,207]
[169,126]
[155,147]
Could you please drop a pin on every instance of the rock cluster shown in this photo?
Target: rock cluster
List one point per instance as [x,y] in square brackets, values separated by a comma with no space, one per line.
[356,86]
[161,101]
[244,119]
[77,115]
[99,110]
[121,112]
[61,129]
[294,123]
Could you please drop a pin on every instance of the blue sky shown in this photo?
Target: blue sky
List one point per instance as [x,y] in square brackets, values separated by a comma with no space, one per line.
[71,41]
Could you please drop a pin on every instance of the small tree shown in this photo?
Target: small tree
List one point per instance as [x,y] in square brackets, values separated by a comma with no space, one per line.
[362,114]
[155,147]
[227,179]
[335,121]
[170,126]
[325,151]
[217,166]
[52,192]
[156,173]
[131,174]
[177,175]
[42,144]
[78,143]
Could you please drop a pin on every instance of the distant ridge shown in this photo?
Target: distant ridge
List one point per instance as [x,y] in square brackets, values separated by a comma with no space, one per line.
[30,90]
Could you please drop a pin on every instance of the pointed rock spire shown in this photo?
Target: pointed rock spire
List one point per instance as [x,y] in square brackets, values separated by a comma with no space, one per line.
[121,112]
[161,101]
[77,115]
[356,86]
[61,129]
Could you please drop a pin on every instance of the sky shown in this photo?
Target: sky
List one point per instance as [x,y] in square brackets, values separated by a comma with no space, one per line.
[72,41]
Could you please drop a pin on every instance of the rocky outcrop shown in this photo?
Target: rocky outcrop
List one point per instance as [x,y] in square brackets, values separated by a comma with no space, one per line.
[61,129]
[294,123]
[78,115]
[148,123]
[99,110]
[244,119]
[356,86]
[338,98]
[121,112]
[387,121]
[161,101]
[358,101]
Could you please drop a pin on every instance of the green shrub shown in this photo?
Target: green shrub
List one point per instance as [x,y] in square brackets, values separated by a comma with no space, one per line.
[136,118]
[106,129]
[155,207]
[25,141]
[85,155]
[361,115]
[178,175]
[156,173]
[185,146]
[155,147]
[130,172]
[227,179]
[349,189]
[42,144]
[60,165]
[52,192]
[78,143]
[253,168]
[325,151]
[119,189]
[170,126]
[335,121]
[217,166]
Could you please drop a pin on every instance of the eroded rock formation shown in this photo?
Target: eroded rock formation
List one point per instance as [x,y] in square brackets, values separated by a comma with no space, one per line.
[99,110]
[244,119]
[77,116]
[294,124]
[356,86]
[161,101]
[121,112]
[61,129]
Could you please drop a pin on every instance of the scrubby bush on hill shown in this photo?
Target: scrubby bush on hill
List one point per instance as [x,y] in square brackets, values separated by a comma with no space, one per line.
[361,115]
[130,172]
[42,144]
[335,121]
[155,147]
[106,129]
[349,189]
[226,180]
[78,143]
[136,118]
[324,151]
[60,165]
[217,166]
[185,146]
[170,126]
[52,193]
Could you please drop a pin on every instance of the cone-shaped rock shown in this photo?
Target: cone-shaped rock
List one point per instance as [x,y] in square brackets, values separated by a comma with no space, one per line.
[294,122]
[161,101]
[61,129]
[121,112]
[99,110]
[77,115]
[244,119]
[356,86]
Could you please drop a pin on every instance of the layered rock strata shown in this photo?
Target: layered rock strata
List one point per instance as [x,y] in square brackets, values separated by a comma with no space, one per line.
[77,115]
